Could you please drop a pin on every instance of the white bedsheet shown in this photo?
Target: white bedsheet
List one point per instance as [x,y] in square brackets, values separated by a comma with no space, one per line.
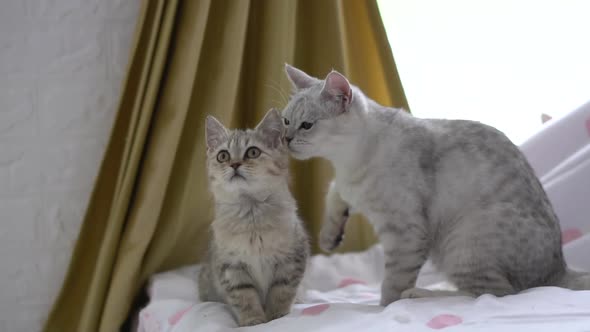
[341,292]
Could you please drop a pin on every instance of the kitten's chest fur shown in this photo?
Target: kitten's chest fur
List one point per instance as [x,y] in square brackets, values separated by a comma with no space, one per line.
[259,250]
[258,238]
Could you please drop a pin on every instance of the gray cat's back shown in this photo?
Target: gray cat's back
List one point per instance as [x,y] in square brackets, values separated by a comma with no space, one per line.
[476,190]
[487,196]
[478,163]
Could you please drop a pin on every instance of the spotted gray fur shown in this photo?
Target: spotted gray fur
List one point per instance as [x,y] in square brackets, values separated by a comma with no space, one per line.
[259,248]
[457,192]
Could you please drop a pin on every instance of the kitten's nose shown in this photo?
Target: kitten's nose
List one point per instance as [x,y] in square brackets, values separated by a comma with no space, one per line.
[289,139]
[236,165]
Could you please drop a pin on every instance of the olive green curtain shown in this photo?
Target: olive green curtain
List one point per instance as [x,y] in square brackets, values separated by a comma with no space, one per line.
[150,208]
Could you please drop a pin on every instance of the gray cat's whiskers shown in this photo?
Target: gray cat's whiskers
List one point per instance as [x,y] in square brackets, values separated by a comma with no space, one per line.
[276,87]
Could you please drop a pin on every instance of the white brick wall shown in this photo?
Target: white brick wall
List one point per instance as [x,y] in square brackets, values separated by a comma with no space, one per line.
[61,67]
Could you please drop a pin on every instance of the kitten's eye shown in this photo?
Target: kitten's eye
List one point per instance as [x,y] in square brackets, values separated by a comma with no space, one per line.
[252,153]
[306,125]
[286,121]
[223,156]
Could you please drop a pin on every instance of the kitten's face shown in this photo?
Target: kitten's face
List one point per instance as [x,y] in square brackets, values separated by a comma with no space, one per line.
[313,116]
[246,160]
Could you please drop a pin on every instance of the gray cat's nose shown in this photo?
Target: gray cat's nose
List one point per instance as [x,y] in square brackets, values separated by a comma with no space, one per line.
[288,139]
[236,165]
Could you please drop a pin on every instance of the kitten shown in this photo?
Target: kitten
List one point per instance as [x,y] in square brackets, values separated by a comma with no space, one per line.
[258,248]
[456,191]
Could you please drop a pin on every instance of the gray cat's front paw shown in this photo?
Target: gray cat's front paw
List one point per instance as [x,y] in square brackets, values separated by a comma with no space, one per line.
[388,297]
[416,293]
[332,234]
[252,320]
[329,242]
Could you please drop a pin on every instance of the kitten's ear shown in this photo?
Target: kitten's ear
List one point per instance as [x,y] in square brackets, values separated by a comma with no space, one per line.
[215,133]
[271,128]
[337,86]
[299,79]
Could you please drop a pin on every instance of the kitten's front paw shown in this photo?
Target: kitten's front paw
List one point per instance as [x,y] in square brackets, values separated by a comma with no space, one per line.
[332,234]
[276,314]
[250,321]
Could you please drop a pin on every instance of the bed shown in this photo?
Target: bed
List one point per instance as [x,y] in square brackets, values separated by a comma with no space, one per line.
[341,292]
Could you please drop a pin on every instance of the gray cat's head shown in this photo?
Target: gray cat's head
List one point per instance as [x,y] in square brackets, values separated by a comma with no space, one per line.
[317,113]
[249,160]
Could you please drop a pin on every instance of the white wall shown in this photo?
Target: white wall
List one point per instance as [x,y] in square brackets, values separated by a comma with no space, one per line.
[61,67]
[501,62]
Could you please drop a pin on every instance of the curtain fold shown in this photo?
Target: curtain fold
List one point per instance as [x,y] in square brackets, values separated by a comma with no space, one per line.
[150,208]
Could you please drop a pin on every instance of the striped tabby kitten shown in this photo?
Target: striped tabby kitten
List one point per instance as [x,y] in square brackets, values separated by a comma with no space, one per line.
[456,191]
[258,248]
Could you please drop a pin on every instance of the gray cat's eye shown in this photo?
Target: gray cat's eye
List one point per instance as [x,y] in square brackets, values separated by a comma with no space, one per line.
[252,153]
[286,121]
[223,156]
[306,125]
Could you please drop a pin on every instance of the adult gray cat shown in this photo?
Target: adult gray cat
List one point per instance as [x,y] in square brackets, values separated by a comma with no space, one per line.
[258,248]
[456,191]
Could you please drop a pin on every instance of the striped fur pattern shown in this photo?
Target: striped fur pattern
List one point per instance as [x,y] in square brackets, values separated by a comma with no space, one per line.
[457,192]
[259,248]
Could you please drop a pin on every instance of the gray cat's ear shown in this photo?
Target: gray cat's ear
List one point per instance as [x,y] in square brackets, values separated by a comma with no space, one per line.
[299,79]
[336,86]
[215,133]
[271,128]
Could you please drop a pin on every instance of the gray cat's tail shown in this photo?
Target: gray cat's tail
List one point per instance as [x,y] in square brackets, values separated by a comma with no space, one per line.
[575,280]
